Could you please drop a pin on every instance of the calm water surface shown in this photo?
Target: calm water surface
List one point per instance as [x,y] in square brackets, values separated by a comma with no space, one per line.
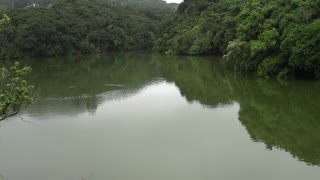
[150,117]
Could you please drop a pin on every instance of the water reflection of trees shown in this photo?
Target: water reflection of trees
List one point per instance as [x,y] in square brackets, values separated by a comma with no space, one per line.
[283,115]
[72,85]
[74,76]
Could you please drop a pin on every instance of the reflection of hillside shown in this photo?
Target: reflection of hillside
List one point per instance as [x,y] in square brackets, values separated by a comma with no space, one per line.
[285,116]
[73,76]
[280,115]
[78,104]
[73,85]
[197,82]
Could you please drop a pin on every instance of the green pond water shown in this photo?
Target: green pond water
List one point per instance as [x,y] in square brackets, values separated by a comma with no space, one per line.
[141,116]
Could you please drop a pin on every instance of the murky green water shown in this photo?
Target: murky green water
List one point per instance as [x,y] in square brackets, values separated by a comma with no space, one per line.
[150,117]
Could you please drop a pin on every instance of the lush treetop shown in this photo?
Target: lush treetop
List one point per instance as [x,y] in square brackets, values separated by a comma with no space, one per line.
[79,27]
[272,38]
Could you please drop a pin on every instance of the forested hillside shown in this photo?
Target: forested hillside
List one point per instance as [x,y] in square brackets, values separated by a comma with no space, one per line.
[277,38]
[155,9]
[14,4]
[200,27]
[143,3]
[273,38]
[78,27]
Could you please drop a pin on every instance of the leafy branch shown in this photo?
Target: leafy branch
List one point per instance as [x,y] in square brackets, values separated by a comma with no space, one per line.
[15,92]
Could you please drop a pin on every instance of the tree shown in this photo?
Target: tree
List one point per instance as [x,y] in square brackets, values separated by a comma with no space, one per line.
[4,21]
[15,92]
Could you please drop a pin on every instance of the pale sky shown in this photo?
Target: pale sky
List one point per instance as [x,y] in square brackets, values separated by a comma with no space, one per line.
[175,1]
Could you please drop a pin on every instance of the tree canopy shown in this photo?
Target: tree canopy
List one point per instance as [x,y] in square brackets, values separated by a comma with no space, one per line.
[272,38]
[277,38]
[200,27]
[80,27]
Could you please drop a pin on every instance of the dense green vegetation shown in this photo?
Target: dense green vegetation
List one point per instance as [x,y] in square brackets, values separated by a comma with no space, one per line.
[15,92]
[78,27]
[278,37]
[269,38]
[14,4]
[155,9]
[200,27]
